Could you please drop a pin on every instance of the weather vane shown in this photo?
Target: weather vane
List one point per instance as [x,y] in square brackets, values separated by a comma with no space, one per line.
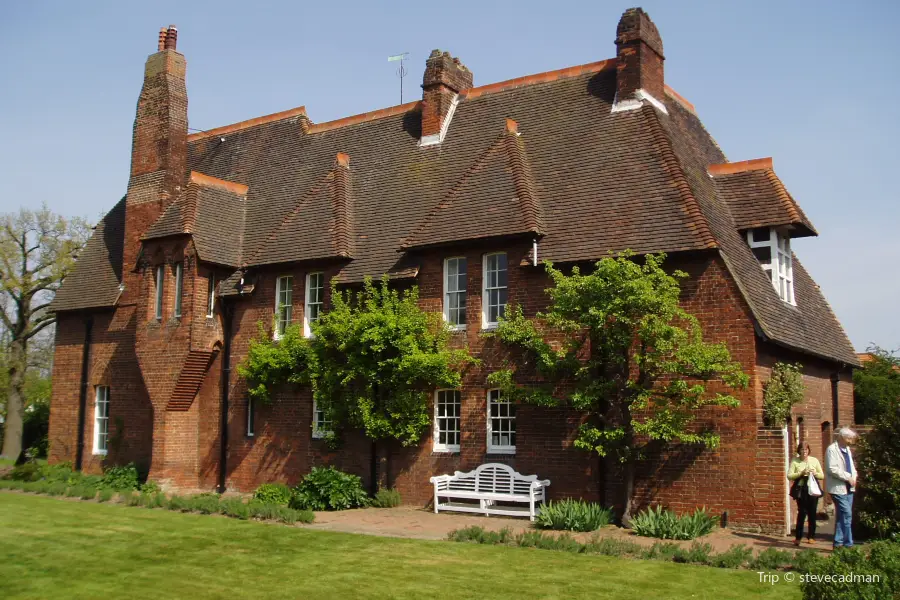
[401,71]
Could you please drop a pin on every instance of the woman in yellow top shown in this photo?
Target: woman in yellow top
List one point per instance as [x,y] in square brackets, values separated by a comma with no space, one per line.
[801,466]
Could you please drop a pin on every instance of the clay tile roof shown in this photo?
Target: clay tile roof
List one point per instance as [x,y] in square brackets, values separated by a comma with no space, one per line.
[757,197]
[495,197]
[212,210]
[585,179]
[95,281]
[319,225]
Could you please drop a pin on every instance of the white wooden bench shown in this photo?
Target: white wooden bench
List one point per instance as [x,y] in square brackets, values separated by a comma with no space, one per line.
[489,484]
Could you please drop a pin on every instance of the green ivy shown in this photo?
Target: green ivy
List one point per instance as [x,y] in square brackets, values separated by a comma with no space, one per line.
[784,389]
[372,363]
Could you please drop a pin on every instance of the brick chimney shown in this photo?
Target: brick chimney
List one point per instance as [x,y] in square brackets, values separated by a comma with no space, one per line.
[639,56]
[444,78]
[159,146]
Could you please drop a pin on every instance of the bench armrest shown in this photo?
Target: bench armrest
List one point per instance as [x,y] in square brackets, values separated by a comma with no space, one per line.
[440,478]
[541,483]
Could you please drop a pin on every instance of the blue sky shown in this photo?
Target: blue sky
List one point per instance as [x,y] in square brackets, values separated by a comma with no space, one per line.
[811,84]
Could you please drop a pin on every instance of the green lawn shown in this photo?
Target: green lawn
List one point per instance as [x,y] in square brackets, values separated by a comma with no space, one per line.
[53,548]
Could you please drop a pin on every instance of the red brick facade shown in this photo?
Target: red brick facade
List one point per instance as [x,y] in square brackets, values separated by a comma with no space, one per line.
[165,375]
[744,476]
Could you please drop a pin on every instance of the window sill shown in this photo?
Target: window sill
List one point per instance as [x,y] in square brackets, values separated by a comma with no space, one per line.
[451,451]
[490,327]
[320,436]
[502,451]
[100,452]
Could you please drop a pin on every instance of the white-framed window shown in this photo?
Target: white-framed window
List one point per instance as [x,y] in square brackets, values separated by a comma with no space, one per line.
[179,282]
[315,300]
[211,297]
[501,424]
[455,292]
[773,250]
[251,417]
[321,425]
[493,299]
[101,419]
[284,297]
[447,409]
[160,278]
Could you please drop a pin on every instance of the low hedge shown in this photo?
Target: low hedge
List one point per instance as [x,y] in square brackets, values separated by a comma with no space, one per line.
[736,557]
[202,503]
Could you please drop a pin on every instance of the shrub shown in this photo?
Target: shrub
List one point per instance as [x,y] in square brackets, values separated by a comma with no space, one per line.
[263,510]
[885,556]
[273,493]
[698,553]
[661,551]
[150,487]
[88,492]
[206,504]
[612,547]
[106,495]
[386,498]
[120,477]
[179,503]
[771,559]
[326,488]
[56,488]
[573,515]
[836,567]
[805,561]
[879,462]
[74,491]
[666,525]
[735,557]
[132,499]
[8,484]
[467,534]
[29,471]
[234,507]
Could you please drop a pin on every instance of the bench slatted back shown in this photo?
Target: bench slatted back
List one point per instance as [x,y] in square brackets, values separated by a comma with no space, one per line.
[490,478]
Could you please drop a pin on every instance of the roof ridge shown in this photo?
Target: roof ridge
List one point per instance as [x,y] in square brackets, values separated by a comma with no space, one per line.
[523,179]
[341,196]
[285,114]
[672,165]
[363,117]
[741,166]
[545,77]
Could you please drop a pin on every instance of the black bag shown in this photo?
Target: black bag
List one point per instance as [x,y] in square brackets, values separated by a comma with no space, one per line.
[795,490]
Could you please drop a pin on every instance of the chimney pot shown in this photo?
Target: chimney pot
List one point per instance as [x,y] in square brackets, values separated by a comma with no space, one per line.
[343,159]
[171,38]
[639,56]
[162,39]
[512,126]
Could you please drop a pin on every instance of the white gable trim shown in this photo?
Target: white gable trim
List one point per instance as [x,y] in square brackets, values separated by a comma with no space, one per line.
[437,138]
[637,102]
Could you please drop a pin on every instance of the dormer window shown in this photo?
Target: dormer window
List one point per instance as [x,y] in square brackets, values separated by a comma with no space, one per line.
[773,250]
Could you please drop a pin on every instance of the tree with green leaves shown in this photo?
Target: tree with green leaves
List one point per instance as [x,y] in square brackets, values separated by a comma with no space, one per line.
[627,355]
[37,251]
[876,386]
[373,361]
[879,463]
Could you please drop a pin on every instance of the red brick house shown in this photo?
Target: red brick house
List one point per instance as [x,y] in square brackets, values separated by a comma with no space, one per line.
[462,193]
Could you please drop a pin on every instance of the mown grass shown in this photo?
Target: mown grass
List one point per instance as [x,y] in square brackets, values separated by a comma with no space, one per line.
[50,548]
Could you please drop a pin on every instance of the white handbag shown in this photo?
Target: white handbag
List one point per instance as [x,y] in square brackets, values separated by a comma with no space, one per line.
[813,486]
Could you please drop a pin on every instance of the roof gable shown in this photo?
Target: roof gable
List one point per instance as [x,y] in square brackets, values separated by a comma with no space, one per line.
[495,197]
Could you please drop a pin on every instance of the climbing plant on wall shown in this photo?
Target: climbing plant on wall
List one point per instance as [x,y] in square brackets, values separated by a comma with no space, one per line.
[784,389]
[372,362]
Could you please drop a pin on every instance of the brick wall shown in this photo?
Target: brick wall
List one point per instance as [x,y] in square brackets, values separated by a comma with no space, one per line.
[744,476]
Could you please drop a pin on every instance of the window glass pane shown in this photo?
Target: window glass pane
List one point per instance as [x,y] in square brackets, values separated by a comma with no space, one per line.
[455,292]
[502,417]
[179,280]
[211,300]
[160,274]
[447,421]
[761,234]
